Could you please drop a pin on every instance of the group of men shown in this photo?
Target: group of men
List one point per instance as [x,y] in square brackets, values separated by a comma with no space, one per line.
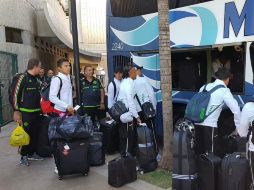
[129,90]
[26,99]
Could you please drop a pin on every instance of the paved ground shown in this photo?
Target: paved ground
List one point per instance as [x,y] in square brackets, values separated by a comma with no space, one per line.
[40,175]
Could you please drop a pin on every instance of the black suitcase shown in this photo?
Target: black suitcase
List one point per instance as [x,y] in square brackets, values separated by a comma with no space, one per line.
[72,157]
[44,149]
[96,150]
[110,136]
[235,173]
[208,168]
[121,171]
[146,153]
[184,160]
[229,144]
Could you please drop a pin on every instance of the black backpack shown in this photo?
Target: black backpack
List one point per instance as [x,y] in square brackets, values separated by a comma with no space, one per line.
[14,81]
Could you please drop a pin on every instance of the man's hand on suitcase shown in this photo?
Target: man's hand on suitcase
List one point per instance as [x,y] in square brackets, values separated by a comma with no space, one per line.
[70,110]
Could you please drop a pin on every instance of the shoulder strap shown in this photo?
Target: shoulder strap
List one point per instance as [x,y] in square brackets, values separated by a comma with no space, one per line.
[136,96]
[61,84]
[216,88]
[114,84]
[211,91]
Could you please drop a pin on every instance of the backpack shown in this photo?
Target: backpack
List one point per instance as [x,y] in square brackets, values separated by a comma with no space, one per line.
[13,85]
[47,107]
[197,107]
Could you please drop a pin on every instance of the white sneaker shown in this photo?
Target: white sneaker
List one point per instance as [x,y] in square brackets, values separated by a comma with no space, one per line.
[56,170]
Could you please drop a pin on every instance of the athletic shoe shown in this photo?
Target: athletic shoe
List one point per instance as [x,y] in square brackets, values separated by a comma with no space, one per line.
[35,157]
[24,161]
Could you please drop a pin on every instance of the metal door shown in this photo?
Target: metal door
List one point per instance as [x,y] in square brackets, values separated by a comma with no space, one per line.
[8,67]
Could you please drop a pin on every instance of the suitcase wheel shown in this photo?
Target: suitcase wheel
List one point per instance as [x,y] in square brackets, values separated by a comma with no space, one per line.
[85,174]
[60,177]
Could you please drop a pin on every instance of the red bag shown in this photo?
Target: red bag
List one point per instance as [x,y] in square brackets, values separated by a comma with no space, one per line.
[47,106]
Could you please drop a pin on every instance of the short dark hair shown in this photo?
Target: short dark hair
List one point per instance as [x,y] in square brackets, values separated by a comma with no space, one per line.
[87,67]
[32,63]
[223,73]
[118,70]
[61,61]
[126,70]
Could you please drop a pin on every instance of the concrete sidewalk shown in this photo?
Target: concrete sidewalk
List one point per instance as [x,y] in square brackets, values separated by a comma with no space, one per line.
[40,175]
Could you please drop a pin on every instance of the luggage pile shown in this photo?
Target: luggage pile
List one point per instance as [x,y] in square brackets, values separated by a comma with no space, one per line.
[123,169]
[208,171]
[76,145]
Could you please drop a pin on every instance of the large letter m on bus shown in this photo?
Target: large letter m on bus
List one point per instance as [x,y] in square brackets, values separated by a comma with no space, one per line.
[236,20]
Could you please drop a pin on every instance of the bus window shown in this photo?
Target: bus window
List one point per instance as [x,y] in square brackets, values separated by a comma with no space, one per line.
[231,57]
[130,8]
[189,70]
[119,61]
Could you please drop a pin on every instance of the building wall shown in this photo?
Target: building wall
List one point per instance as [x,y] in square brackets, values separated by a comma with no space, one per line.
[22,14]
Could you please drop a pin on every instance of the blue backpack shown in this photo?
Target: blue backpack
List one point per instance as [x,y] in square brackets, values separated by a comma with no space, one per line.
[197,107]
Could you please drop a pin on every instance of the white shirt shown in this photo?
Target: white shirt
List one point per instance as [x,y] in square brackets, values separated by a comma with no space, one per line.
[247,116]
[111,90]
[218,98]
[126,95]
[66,98]
[144,92]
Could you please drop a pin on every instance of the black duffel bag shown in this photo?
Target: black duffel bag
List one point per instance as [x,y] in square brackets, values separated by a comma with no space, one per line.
[68,128]
[117,110]
[147,108]
[122,170]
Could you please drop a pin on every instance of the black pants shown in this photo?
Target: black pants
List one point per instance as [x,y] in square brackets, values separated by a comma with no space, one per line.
[128,133]
[204,136]
[32,125]
[94,113]
[251,158]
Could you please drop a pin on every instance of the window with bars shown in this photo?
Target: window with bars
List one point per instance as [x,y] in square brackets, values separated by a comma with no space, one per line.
[13,35]
[120,61]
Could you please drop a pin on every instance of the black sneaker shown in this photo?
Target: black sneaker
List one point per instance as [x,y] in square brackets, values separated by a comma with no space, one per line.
[24,161]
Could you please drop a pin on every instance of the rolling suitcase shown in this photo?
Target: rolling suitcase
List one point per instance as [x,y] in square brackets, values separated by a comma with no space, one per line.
[184,159]
[72,157]
[110,141]
[122,170]
[96,150]
[235,173]
[208,168]
[146,153]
